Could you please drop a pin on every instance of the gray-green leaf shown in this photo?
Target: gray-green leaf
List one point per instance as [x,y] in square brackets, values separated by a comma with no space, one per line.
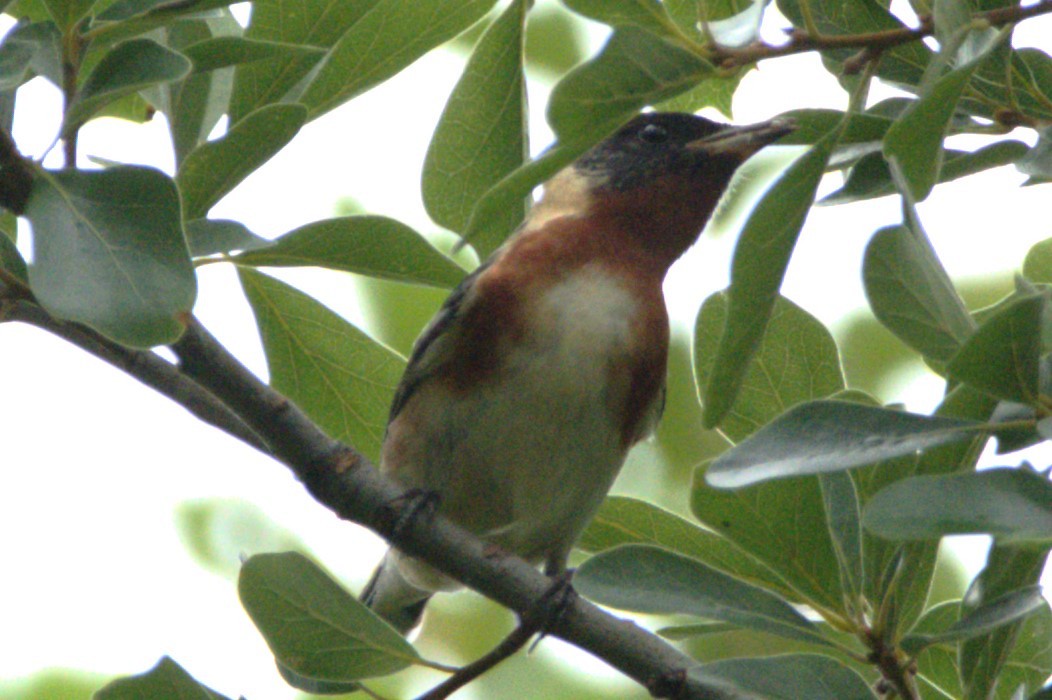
[634,69]
[648,579]
[786,677]
[826,436]
[760,260]
[127,68]
[1013,505]
[481,136]
[984,619]
[108,251]
[214,168]
[911,294]
[165,680]
[341,377]
[370,245]
[1002,356]
[313,626]
[387,38]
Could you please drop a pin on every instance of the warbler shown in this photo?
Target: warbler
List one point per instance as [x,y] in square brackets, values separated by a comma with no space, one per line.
[524,394]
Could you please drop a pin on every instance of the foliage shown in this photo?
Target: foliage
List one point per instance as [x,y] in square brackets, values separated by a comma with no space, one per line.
[817,514]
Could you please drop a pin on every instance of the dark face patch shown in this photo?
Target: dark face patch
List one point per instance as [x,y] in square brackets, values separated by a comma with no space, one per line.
[649,146]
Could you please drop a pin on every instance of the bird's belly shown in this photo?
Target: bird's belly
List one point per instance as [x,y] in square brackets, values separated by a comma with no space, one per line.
[546,457]
[526,458]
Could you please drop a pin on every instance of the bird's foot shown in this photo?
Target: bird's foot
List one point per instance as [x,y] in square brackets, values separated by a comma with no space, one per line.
[549,610]
[402,513]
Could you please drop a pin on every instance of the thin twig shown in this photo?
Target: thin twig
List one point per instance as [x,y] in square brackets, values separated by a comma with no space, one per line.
[537,621]
[515,641]
[801,41]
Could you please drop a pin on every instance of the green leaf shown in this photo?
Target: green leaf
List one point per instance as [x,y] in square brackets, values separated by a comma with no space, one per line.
[910,293]
[488,226]
[1030,659]
[389,36]
[1018,77]
[343,379]
[982,660]
[635,68]
[716,92]
[127,68]
[1002,356]
[679,633]
[318,23]
[950,17]
[783,525]
[369,245]
[555,40]
[226,51]
[870,177]
[844,515]
[738,30]
[27,49]
[760,260]
[937,664]
[124,10]
[785,677]
[315,686]
[828,436]
[919,558]
[219,533]
[481,136]
[195,104]
[622,521]
[313,626]
[915,139]
[165,680]
[214,168]
[1013,505]
[648,579]
[648,14]
[11,260]
[211,236]
[1037,267]
[128,18]
[812,125]
[796,360]
[1037,163]
[66,13]
[982,620]
[108,251]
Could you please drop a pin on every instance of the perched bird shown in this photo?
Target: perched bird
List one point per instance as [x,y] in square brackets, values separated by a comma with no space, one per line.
[524,394]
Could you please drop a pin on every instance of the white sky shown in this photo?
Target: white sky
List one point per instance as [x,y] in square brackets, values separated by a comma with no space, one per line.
[95,463]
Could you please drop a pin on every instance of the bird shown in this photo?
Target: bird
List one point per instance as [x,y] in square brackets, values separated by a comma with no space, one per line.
[523,395]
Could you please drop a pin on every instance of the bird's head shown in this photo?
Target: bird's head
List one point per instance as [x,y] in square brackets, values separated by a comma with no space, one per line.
[659,176]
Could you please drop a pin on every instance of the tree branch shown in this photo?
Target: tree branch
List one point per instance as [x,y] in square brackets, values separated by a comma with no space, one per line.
[341,479]
[802,41]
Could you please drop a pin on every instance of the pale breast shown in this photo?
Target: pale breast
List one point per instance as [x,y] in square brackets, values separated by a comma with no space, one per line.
[526,457]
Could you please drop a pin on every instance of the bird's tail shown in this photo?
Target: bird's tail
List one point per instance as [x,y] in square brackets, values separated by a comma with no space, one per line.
[393,598]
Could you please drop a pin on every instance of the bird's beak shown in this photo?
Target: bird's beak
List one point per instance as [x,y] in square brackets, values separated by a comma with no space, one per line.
[742,141]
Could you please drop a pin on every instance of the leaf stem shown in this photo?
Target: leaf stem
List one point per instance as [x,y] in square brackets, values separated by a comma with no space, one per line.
[73,48]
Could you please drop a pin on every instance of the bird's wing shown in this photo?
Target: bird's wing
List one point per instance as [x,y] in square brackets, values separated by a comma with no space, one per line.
[431,350]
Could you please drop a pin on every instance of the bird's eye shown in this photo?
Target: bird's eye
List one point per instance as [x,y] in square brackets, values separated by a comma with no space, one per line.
[652,133]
